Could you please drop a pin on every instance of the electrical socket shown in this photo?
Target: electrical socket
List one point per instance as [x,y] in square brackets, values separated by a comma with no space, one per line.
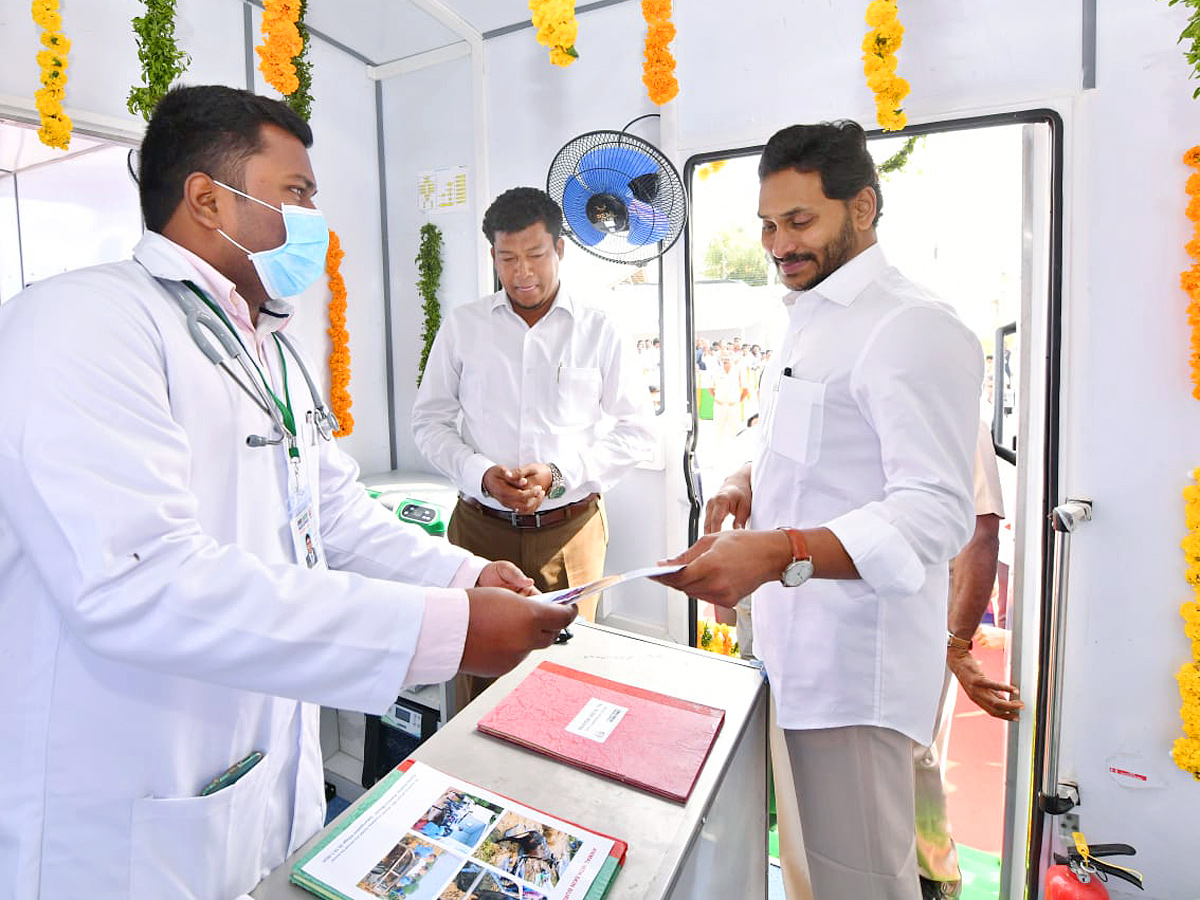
[1068,823]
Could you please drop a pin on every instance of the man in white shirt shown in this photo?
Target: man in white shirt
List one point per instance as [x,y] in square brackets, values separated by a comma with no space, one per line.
[534,405]
[183,558]
[859,496]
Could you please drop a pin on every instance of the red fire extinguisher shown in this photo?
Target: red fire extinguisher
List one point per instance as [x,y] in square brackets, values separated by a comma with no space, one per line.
[1080,875]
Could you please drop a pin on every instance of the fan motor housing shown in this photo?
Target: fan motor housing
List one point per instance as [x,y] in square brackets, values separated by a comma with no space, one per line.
[608,212]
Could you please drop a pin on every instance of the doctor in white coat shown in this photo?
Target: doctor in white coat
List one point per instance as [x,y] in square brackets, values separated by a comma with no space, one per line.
[185,571]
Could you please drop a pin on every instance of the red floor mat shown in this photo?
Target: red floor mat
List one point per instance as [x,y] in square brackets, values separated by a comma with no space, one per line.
[975,767]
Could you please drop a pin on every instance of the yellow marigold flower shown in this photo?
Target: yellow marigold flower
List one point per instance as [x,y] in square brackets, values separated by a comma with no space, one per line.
[889,36]
[656,10]
[895,91]
[55,40]
[1188,677]
[50,20]
[872,63]
[1191,546]
[1192,157]
[1186,754]
[561,57]
[880,11]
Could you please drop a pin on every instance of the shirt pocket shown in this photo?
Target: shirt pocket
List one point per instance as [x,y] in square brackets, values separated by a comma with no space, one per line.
[202,848]
[574,395]
[798,419]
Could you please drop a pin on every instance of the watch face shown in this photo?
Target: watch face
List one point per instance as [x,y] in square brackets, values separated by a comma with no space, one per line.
[557,492]
[797,572]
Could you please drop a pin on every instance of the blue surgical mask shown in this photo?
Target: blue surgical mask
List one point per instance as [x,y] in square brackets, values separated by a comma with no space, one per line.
[297,263]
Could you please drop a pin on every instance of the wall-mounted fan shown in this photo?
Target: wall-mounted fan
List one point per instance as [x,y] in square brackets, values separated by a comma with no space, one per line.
[622,200]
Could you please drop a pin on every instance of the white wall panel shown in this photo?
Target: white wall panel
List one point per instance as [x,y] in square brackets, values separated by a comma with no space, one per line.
[1130,437]
[429,125]
[345,160]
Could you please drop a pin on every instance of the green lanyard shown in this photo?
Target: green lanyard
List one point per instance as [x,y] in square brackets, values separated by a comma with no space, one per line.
[285,405]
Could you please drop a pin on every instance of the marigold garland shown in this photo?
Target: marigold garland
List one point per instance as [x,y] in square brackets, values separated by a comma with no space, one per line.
[56,124]
[879,63]
[717,638]
[1186,751]
[707,170]
[339,356]
[1189,280]
[556,28]
[281,44]
[658,70]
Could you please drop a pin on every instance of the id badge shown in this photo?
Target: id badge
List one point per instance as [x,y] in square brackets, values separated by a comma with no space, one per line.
[306,537]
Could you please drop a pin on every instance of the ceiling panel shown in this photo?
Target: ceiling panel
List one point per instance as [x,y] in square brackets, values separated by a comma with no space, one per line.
[386,30]
[380,30]
[20,147]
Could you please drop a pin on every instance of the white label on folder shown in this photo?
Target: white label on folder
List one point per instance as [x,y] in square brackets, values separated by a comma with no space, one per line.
[597,720]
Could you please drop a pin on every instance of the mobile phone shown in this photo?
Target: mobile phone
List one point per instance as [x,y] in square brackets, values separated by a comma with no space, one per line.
[230,776]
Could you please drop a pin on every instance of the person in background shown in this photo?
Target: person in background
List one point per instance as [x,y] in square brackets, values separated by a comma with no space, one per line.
[972,578]
[163,644]
[846,520]
[534,405]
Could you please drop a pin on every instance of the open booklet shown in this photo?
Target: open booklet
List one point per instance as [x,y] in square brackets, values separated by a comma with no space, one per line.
[423,835]
[570,595]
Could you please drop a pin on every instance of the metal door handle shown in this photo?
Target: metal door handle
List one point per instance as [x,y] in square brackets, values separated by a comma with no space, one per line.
[1056,797]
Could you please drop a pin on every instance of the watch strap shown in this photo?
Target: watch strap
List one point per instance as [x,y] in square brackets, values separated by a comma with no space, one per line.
[557,487]
[799,545]
[954,642]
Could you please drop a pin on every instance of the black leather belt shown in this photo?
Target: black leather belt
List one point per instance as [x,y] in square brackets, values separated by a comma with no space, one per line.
[545,519]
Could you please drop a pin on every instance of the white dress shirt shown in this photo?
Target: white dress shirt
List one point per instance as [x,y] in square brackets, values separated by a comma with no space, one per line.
[568,391]
[870,417]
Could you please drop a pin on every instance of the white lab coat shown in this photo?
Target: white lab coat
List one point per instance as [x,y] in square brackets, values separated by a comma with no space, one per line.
[154,627]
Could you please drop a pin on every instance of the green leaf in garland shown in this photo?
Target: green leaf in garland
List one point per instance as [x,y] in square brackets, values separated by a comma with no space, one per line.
[1191,35]
[429,279]
[899,159]
[300,100]
[162,61]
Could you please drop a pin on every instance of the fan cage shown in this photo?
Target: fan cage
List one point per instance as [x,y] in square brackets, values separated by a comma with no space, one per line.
[671,200]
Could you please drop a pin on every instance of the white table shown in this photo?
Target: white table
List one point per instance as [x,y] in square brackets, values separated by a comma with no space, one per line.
[715,845]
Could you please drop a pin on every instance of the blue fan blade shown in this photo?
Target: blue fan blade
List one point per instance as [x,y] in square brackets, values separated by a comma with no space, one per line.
[646,224]
[623,159]
[575,198]
[610,169]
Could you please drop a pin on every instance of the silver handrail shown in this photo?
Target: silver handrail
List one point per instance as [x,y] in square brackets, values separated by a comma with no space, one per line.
[1058,798]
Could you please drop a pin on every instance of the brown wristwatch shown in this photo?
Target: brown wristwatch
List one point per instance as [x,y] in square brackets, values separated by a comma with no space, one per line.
[954,642]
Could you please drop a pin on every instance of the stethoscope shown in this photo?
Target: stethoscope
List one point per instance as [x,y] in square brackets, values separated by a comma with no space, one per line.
[204,325]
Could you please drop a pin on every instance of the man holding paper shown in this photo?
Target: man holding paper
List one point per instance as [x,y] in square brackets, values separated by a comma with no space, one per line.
[859,495]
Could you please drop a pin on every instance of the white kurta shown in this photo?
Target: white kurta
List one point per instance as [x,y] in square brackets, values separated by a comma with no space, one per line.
[154,627]
[870,417]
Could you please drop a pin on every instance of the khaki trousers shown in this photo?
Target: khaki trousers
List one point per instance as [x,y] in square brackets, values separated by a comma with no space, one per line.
[559,556]
[854,801]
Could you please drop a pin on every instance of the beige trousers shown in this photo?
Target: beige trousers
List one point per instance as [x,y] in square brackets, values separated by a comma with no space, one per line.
[853,799]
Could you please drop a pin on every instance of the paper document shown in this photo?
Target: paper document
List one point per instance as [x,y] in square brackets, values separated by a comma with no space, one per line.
[424,835]
[570,595]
